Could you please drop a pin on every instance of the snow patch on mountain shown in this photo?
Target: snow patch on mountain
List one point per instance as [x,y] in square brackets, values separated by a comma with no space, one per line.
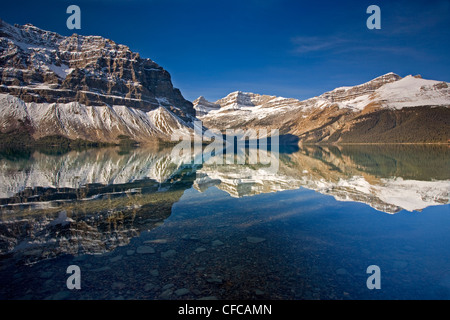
[61,71]
[411,92]
[98,123]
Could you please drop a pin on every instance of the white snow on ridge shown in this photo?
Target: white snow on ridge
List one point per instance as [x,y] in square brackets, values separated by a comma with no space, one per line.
[406,92]
[411,92]
[103,123]
[11,107]
[356,104]
[247,106]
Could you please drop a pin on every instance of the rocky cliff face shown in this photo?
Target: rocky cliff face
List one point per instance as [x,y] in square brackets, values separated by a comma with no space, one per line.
[386,109]
[49,74]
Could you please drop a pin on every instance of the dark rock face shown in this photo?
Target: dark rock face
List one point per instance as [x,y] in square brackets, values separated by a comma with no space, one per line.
[42,66]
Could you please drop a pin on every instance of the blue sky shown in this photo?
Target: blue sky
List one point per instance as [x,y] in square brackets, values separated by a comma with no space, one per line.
[287,48]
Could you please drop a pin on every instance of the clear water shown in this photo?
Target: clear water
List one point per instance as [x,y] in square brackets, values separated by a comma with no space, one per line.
[142,225]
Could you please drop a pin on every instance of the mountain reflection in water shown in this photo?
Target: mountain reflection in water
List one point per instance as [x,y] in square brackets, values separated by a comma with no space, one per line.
[95,200]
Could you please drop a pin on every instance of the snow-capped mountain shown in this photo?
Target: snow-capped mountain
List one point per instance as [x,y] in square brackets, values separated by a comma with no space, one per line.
[386,109]
[85,87]
[203,106]
[90,88]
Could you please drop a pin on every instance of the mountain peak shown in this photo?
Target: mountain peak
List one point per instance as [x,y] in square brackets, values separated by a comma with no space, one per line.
[91,70]
[28,26]
[203,106]
[200,99]
[348,93]
[389,74]
[103,89]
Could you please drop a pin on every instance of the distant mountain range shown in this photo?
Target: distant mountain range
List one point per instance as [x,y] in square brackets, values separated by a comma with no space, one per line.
[386,109]
[92,89]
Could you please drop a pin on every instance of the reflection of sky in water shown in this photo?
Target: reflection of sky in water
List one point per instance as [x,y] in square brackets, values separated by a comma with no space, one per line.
[231,231]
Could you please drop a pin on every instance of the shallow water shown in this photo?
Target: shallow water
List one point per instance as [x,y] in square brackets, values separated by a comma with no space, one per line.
[144,224]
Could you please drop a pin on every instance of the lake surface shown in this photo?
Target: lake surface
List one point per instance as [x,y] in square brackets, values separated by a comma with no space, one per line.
[147,224]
